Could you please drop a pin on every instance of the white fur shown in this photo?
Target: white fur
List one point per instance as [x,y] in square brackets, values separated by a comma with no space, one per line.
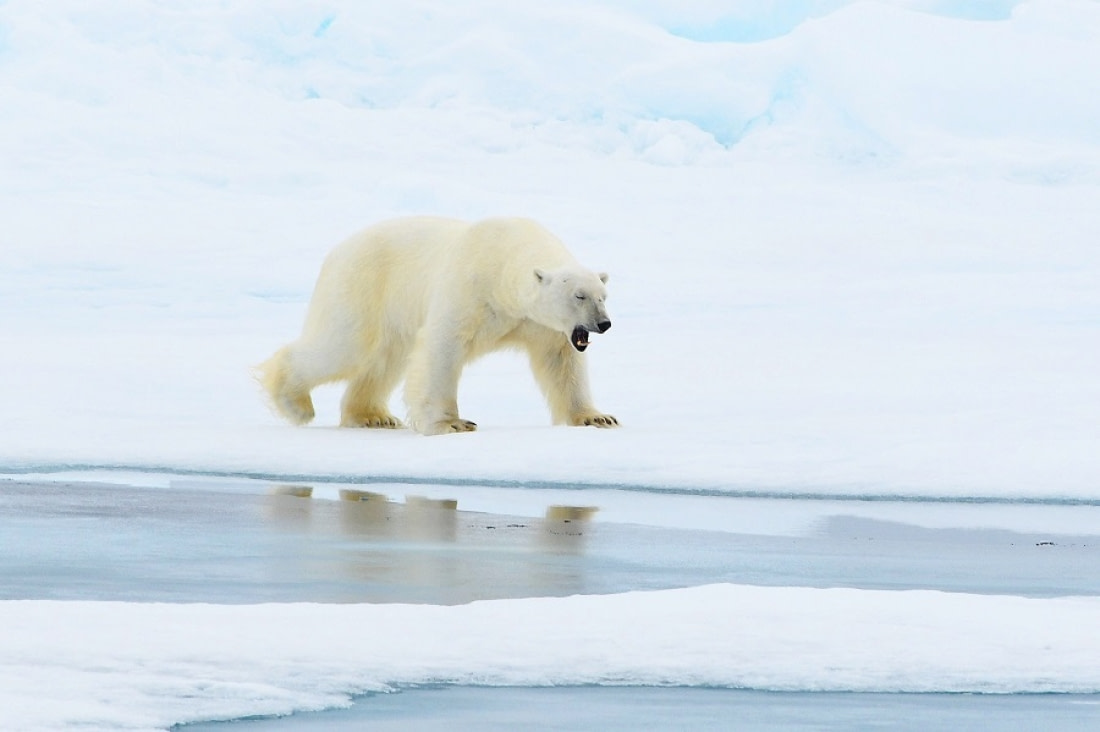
[420,298]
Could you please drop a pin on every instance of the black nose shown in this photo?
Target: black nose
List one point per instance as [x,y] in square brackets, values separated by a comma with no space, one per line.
[602,327]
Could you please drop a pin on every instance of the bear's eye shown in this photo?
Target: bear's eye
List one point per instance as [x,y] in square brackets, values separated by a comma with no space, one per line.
[581,296]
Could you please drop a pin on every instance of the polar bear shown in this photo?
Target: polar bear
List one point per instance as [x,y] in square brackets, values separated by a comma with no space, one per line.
[420,298]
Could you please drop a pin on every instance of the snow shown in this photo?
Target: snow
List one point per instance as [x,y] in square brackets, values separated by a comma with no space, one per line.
[146,666]
[852,249]
[839,263]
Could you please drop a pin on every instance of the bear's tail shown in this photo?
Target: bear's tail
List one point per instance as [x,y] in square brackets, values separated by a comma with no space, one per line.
[285,393]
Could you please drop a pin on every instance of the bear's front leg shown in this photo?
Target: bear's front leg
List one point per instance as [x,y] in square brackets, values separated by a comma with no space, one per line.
[431,386]
[562,374]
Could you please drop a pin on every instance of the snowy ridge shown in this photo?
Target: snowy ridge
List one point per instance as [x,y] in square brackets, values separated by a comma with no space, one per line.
[835,79]
[135,666]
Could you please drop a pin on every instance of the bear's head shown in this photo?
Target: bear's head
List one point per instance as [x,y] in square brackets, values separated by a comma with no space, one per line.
[571,300]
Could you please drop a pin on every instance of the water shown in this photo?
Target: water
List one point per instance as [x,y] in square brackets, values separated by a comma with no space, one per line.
[100,542]
[76,541]
[616,708]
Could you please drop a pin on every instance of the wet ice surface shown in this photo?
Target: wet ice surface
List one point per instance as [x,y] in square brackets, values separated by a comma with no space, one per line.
[218,543]
[631,708]
[100,542]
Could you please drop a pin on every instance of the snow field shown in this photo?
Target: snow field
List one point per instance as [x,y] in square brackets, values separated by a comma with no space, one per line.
[134,666]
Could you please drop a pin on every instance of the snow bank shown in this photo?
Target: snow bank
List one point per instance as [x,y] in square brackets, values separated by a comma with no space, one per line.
[145,666]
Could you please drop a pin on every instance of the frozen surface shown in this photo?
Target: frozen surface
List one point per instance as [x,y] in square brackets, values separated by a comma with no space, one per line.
[148,665]
[839,264]
[853,256]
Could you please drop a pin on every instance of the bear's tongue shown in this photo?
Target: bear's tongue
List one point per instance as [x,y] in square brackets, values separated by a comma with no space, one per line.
[580,338]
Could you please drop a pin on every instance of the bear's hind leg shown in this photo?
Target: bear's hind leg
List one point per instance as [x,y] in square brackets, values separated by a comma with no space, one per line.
[364,403]
[288,392]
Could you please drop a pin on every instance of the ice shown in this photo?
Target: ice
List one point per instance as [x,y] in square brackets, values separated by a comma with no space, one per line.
[874,267]
[144,666]
[852,249]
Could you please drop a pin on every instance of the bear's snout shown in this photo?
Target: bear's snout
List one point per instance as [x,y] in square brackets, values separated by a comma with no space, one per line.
[603,325]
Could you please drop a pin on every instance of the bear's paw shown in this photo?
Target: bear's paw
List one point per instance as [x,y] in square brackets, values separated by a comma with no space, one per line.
[379,420]
[297,408]
[593,419]
[450,426]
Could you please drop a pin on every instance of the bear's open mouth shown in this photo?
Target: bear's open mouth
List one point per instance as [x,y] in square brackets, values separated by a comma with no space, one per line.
[579,338]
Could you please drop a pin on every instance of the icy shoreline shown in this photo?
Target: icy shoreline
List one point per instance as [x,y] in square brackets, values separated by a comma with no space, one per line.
[156,473]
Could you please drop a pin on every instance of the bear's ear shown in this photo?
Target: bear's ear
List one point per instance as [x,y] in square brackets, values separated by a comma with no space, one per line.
[603,277]
[541,275]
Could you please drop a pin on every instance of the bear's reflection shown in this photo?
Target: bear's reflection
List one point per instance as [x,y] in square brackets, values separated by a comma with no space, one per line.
[366,548]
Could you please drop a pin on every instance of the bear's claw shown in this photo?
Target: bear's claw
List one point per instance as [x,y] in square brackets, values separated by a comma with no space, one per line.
[377,421]
[450,426]
[595,420]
